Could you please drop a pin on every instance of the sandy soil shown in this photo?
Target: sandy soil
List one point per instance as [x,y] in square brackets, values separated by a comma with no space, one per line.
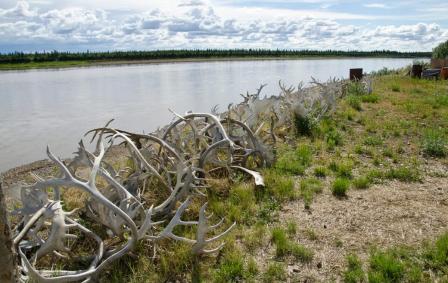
[383,216]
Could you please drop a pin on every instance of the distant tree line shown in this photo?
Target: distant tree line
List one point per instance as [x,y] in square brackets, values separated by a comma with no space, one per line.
[21,57]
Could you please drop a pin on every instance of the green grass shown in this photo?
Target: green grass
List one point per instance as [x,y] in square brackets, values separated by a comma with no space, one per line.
[320,172]
[340,187]
[280,186]
[342,169]
[435,143]
[362,182]
[284,246]
[294,161]
[402,264]
[385,267]
[370,98]
[354,272]
[386,141]
[275,272]
[231,269]
[354,101]
[308,188]
[404,174]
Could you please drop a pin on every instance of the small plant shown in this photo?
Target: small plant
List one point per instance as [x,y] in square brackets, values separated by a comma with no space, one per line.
[254,238]
[355,89]
[404,174]
[308,188]
[291,228]
[385,267]
[362,182]
[231,269]
[304,126]
[301,253]
[320,172]
[354,272]
[437,255]
[340,187]
[333,138]
[275,271]
[284,247]
[294,161]
[342,169]
[370,98]
[395,88]
[354,102]
[279,186]
[434,144]
[373,141]
[280,239]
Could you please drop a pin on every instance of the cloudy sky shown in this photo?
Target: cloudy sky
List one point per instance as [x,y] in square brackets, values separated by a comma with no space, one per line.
[80,25]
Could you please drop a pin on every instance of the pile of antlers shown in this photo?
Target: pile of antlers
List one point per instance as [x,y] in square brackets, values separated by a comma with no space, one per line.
[146,198]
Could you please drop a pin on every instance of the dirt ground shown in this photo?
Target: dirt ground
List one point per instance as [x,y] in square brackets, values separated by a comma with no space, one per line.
[382,216]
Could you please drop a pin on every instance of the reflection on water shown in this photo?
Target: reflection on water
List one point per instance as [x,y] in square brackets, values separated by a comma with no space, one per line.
[56,107]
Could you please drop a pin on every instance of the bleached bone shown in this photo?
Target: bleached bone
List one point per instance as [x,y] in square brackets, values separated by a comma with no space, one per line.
[200,242]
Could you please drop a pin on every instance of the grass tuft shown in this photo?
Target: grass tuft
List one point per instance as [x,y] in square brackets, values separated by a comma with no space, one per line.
[340,187]
[354,272]
[434,144]
[362,182]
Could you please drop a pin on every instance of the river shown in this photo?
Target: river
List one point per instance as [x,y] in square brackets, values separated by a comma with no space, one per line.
[56,107]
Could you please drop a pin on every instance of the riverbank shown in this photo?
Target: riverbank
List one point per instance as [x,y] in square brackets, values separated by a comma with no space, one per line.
[363,196]
[95,63]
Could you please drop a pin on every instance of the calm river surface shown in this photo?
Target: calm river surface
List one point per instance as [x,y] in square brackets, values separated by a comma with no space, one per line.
[56,107]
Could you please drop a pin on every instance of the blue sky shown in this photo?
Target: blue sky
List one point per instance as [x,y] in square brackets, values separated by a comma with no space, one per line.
[80,25]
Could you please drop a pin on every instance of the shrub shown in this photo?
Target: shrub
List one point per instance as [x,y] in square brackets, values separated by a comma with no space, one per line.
[340,187]
[441,51]
[434,144]
[304,126]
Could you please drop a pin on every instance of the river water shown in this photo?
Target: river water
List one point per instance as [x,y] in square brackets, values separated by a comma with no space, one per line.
[56,107]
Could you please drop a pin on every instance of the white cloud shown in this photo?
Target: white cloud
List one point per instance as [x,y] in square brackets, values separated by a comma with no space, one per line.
[376,5]
[199,25]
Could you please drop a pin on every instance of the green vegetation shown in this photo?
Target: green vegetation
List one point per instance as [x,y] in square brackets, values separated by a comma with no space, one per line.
[435,143]
[441,51]
[402,264]
[340,187]
[354,272]
[385,141]
[284,246]
[41,59]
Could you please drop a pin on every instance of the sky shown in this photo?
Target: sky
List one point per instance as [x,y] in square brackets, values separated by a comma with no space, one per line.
[101,25]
